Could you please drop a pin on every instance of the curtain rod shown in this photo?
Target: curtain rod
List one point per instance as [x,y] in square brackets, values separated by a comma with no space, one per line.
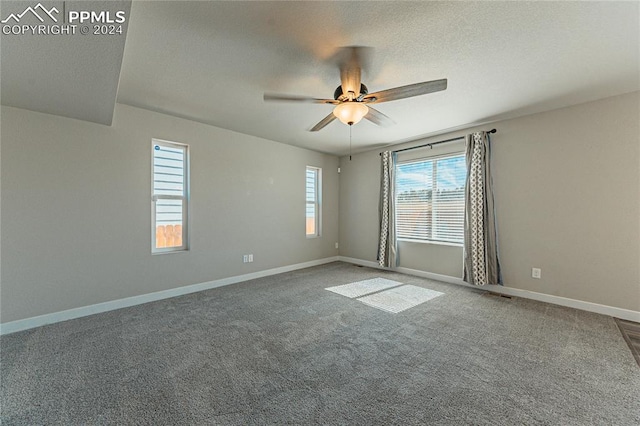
[437,143]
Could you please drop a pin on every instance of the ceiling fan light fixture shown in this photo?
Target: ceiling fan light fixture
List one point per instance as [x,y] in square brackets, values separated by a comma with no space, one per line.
[350,112]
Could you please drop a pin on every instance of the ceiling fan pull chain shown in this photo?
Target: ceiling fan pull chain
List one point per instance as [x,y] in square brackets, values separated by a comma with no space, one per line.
[350,127]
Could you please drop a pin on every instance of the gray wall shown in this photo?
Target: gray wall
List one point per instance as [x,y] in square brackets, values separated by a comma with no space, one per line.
[76,208]
[567,188]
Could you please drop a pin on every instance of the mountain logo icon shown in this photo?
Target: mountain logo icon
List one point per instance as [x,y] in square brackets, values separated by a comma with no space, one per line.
[34,11]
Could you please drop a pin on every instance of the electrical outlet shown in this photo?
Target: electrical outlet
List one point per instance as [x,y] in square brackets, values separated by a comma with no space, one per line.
[245,258]
[250,258]
[337,245]
[536,273]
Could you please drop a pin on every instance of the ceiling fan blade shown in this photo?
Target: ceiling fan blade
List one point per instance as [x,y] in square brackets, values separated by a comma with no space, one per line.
[351,60]
[409,91]
[295,98]
[328,119]
[379,118]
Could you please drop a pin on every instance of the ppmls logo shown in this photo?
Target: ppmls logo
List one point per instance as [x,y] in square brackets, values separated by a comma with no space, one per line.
[34,12]
[49,20]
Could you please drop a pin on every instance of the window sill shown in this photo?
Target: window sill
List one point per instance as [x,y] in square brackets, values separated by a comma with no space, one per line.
[436,243]
[154,253]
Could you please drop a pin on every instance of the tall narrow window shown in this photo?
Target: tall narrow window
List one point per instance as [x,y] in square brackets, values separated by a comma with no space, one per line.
[170,196]
[430,199]
[313,207]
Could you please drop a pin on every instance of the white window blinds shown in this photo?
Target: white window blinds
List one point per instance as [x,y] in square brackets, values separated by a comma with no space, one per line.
[430,199]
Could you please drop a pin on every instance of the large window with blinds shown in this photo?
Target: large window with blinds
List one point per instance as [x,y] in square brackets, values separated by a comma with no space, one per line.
[430,199]
[170,196]
[313,208]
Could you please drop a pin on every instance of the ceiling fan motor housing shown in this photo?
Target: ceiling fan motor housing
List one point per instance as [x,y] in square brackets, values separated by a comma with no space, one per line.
[338,93]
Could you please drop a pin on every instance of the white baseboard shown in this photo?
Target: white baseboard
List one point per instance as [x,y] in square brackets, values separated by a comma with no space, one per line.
[408,271]
[28,323]
[621,313]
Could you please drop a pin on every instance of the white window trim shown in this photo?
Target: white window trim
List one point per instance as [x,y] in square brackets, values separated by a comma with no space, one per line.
[186,219]
[420,160]
[317,202]
[433,242]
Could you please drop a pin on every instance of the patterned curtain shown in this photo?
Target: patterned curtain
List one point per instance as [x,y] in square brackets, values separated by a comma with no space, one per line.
[387,246]
[481,263]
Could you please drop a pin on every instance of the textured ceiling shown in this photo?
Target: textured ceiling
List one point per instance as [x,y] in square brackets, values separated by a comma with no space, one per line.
[212,62]
[72,75]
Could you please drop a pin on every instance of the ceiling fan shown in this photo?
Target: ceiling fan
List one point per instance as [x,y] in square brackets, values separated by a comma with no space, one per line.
[352,99]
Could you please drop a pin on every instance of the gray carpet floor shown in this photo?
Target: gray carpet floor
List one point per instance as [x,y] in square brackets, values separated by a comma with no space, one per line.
[282,350]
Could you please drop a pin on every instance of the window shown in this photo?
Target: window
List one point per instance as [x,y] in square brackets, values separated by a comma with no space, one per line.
[313,191]
[430,199]
[170,196]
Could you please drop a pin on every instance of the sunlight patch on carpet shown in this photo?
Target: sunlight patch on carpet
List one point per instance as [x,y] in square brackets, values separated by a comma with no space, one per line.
[400,298]
[360,288]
